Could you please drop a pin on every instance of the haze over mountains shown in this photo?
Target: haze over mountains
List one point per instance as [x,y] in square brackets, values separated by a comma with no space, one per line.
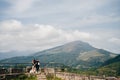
[77,54]
[4,55]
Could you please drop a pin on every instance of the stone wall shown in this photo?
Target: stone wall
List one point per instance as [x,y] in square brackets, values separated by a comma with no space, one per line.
[12,70]
[3,71]
[72,76]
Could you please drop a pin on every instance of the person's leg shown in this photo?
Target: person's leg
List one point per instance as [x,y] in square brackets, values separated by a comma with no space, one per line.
[37,68]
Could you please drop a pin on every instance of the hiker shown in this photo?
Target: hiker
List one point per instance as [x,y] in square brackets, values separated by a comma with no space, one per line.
[33,62]
[33,70]
[37,65]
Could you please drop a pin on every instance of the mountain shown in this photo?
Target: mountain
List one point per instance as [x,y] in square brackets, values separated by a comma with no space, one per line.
[4,55]
[111,67]
[77,54]
[72,47]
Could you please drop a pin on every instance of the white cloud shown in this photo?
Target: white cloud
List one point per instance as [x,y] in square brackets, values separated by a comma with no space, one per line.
[115,40]
[16,36]
[19,6]
[97,19]
[10,25]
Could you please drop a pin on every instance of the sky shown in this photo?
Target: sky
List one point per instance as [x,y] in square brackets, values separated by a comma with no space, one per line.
[35,25]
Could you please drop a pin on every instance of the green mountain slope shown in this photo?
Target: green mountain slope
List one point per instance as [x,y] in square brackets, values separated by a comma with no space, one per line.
[113,60]
[111,67]
[77,54]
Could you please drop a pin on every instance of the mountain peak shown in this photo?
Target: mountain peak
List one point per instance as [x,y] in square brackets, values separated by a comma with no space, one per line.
[78,42]
[78,45]
[71,47]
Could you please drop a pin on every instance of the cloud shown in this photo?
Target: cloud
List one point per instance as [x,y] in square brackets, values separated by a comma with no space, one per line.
[15,36]
[97,19]
[19,6]
[10,25]
[67,13]
[39,8]
[114,44]
[62,21]
[115,40]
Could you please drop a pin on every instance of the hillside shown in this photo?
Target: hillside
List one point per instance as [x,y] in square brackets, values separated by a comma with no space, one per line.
[113,60]
[111,67]
[77,54]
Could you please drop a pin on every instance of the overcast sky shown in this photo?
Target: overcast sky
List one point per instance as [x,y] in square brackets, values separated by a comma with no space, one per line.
[35,25]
